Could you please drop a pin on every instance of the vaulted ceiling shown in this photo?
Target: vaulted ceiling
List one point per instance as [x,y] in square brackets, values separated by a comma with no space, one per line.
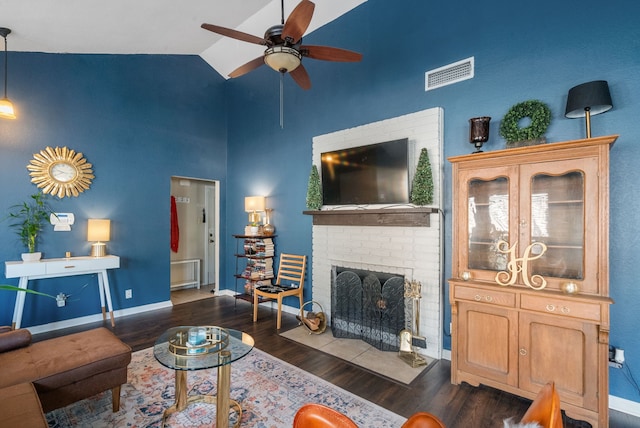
[151,26]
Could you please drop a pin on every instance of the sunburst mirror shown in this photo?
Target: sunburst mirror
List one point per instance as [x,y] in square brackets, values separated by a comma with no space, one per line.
[60,171]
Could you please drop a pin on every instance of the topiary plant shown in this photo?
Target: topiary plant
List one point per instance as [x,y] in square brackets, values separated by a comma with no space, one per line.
[422,186]
[314,191]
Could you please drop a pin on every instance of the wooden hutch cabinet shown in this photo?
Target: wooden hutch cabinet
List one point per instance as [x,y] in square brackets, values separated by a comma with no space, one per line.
[529,291]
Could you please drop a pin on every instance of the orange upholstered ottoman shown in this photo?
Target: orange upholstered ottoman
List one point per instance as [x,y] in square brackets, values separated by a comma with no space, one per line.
[69,368]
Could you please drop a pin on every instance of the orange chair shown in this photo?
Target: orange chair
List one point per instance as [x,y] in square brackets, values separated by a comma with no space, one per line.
[545,409]
[318,416]
[423,420]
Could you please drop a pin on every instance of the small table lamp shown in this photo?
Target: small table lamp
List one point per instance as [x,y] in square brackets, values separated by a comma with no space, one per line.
[588,99]
[98,230]
[253,204]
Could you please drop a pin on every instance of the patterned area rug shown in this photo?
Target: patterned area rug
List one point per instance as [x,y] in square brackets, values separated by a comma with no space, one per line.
[269,390]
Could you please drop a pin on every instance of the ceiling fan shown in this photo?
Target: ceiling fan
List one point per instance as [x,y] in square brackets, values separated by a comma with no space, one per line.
[285,50]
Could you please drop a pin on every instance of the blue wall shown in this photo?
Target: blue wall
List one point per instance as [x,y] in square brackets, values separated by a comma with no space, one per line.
[521,53]
[141,119]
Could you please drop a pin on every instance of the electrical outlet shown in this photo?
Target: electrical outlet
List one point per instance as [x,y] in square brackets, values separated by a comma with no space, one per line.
[128,294]
[616,357]
[61,300]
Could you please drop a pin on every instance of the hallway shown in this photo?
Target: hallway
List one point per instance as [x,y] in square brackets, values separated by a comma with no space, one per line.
[187,295]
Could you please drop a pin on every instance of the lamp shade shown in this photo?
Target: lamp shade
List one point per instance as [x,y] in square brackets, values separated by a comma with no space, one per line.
[98,229]
[592,96]
[254,203]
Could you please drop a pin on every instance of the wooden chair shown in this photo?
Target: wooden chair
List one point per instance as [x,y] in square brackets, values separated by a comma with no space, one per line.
[545,409]
[423,420]
[319,416]
[292,267]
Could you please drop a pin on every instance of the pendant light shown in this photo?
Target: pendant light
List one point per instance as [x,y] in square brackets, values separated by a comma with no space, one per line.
[6,107]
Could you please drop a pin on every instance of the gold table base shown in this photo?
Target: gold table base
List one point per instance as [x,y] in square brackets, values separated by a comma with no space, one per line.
[208,399]
[222,401]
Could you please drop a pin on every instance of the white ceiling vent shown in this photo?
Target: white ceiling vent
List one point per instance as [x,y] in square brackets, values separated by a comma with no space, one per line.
[452,73]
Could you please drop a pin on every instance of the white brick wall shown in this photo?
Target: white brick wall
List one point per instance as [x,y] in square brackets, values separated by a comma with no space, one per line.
[414,252]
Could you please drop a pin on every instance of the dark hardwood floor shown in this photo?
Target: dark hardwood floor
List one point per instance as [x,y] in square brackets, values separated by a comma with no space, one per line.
[457,405]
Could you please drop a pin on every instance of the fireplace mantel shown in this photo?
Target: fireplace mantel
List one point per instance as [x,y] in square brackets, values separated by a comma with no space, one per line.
[405,217]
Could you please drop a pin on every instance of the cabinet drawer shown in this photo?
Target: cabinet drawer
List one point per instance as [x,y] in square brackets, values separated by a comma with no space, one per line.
[492,297]
[62,267]
[551,305]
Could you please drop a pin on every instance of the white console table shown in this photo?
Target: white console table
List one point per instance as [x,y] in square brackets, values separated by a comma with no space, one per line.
[55,268]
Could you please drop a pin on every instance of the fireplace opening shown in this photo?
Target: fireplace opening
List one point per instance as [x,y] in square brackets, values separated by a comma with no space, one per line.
[367,305]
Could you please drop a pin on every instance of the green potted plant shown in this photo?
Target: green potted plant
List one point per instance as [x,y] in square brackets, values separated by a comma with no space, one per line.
[24,290]
[29,219]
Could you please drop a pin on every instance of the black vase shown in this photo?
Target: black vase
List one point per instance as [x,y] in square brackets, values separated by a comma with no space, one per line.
[479,132]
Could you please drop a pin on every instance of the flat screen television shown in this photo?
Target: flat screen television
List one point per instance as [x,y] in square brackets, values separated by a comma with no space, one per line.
[371,174]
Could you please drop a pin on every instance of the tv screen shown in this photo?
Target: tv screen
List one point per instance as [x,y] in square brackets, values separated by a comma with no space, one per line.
[372,174]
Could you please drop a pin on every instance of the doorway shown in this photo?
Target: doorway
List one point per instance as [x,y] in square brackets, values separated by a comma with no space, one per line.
[194,239]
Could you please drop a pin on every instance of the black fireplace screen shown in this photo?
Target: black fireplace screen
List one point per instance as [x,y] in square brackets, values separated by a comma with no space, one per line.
[367,305]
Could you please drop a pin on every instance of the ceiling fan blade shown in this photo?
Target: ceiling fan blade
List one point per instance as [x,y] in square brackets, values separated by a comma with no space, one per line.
[301,77]
[327,53]
[234,34]
[298,22]
[250,66]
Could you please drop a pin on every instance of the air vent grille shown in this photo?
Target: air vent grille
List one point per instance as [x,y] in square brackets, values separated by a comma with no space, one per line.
[452,73]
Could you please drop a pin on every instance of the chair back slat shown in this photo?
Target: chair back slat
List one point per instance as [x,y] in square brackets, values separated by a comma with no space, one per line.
[292,268]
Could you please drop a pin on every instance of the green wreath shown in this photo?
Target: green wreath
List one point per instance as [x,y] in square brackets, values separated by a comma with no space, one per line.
[539,114]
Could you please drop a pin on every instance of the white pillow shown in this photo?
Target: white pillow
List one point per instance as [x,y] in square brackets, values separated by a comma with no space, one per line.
[508,423]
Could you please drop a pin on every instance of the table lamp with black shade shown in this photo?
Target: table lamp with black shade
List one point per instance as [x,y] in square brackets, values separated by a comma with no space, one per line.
[588,99]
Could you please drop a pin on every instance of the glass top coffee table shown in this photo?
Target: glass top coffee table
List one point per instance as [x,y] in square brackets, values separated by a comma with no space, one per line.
[187,348]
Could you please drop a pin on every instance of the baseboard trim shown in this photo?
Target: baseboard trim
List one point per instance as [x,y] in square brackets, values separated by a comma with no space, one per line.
[625,406]
[74,322]
[446,354]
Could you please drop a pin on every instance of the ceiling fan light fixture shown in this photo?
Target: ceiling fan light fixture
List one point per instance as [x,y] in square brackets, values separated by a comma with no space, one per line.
[6,109]
[282,58]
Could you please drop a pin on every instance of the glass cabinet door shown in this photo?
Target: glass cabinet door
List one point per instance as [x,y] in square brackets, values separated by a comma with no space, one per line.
[555,211]
[557,220]
[488,222]
[487,207]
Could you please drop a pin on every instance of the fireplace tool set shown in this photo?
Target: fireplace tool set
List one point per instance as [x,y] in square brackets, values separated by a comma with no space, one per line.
[412,290]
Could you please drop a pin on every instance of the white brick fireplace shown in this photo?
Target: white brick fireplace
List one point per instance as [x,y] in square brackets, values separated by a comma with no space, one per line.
[411,251]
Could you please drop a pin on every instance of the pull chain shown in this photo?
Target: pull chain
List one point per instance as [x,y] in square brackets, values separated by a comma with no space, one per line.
[6,69]
[281,100]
